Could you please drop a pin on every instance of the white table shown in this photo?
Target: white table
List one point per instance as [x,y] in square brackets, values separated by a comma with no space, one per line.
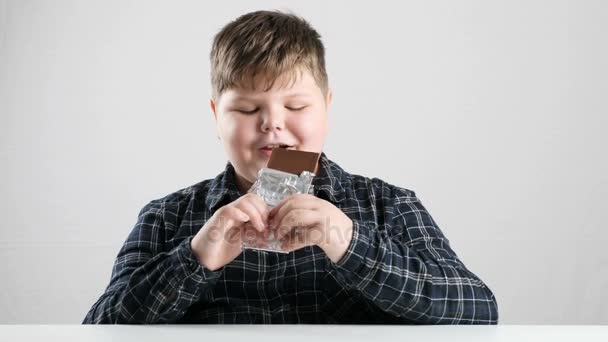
[308,333]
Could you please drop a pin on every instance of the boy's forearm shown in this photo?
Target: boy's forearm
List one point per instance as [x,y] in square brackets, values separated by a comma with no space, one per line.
[159,291]
[414,285]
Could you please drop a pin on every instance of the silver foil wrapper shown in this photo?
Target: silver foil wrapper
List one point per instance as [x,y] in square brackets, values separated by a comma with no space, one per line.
[274,186]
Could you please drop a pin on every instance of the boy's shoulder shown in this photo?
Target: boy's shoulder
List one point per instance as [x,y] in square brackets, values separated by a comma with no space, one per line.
[181,197]
[380,186]
[360,185]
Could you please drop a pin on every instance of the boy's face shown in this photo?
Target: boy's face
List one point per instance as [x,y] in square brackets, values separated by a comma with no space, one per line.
[290,113]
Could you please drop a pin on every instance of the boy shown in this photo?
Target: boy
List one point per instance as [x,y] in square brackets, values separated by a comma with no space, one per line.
[361,250]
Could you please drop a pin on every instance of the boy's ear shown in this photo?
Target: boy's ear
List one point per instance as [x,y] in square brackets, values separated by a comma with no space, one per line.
[330,96]
[213,109]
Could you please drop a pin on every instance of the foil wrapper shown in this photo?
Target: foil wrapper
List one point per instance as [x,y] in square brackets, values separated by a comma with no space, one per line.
[274,186]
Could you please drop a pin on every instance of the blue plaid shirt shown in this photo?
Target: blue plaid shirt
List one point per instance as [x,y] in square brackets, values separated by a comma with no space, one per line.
[399,267]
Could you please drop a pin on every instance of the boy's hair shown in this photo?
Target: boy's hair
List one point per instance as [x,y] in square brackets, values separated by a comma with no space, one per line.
[268,44]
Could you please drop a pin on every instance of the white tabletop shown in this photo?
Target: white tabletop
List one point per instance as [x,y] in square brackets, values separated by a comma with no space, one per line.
[308,333]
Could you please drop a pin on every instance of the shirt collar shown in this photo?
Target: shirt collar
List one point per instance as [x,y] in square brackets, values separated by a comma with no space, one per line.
[328,184]
[331,181]
[222,189]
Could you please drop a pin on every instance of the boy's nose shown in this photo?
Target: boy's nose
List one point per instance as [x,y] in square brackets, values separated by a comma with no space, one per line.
[272,122]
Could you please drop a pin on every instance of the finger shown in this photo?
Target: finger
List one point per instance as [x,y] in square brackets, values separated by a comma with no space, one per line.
[294,202]
[260,205]
[276,208]
[231,215]
[294,242]
[302,218]
[231,218]
[288,207]
[253,237]
[290,198]
[254,216]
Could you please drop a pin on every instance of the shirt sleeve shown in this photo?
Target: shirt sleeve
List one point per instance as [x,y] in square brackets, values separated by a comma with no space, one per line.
[409,270]
[151,283]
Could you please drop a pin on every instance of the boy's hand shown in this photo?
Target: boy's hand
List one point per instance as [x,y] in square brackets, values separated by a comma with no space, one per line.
[220,240]
[304,220]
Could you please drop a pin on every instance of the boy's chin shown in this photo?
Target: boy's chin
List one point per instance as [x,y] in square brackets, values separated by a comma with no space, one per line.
[256,167]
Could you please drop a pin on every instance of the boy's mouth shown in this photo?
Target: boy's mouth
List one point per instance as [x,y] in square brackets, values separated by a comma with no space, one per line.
[267,150]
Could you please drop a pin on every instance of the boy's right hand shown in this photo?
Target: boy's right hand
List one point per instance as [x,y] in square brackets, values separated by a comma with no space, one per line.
[220,240]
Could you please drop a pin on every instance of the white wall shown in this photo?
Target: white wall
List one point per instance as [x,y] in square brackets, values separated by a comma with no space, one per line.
[492,111]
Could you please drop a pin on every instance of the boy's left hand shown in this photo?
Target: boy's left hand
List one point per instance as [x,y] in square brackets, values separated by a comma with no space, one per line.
[303,220]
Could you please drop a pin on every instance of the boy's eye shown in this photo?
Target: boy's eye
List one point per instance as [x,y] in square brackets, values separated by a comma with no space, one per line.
[295,109]
[247,111]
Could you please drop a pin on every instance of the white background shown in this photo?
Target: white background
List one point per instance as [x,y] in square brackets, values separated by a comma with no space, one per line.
[493,112]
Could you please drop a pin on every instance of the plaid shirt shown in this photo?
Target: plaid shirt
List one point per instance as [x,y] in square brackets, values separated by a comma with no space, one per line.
[398,269]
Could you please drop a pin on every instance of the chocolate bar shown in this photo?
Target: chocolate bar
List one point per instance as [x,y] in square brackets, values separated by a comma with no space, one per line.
[293,161]
[288,172]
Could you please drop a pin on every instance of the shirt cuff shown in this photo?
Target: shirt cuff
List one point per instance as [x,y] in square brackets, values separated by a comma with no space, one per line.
[351,267]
